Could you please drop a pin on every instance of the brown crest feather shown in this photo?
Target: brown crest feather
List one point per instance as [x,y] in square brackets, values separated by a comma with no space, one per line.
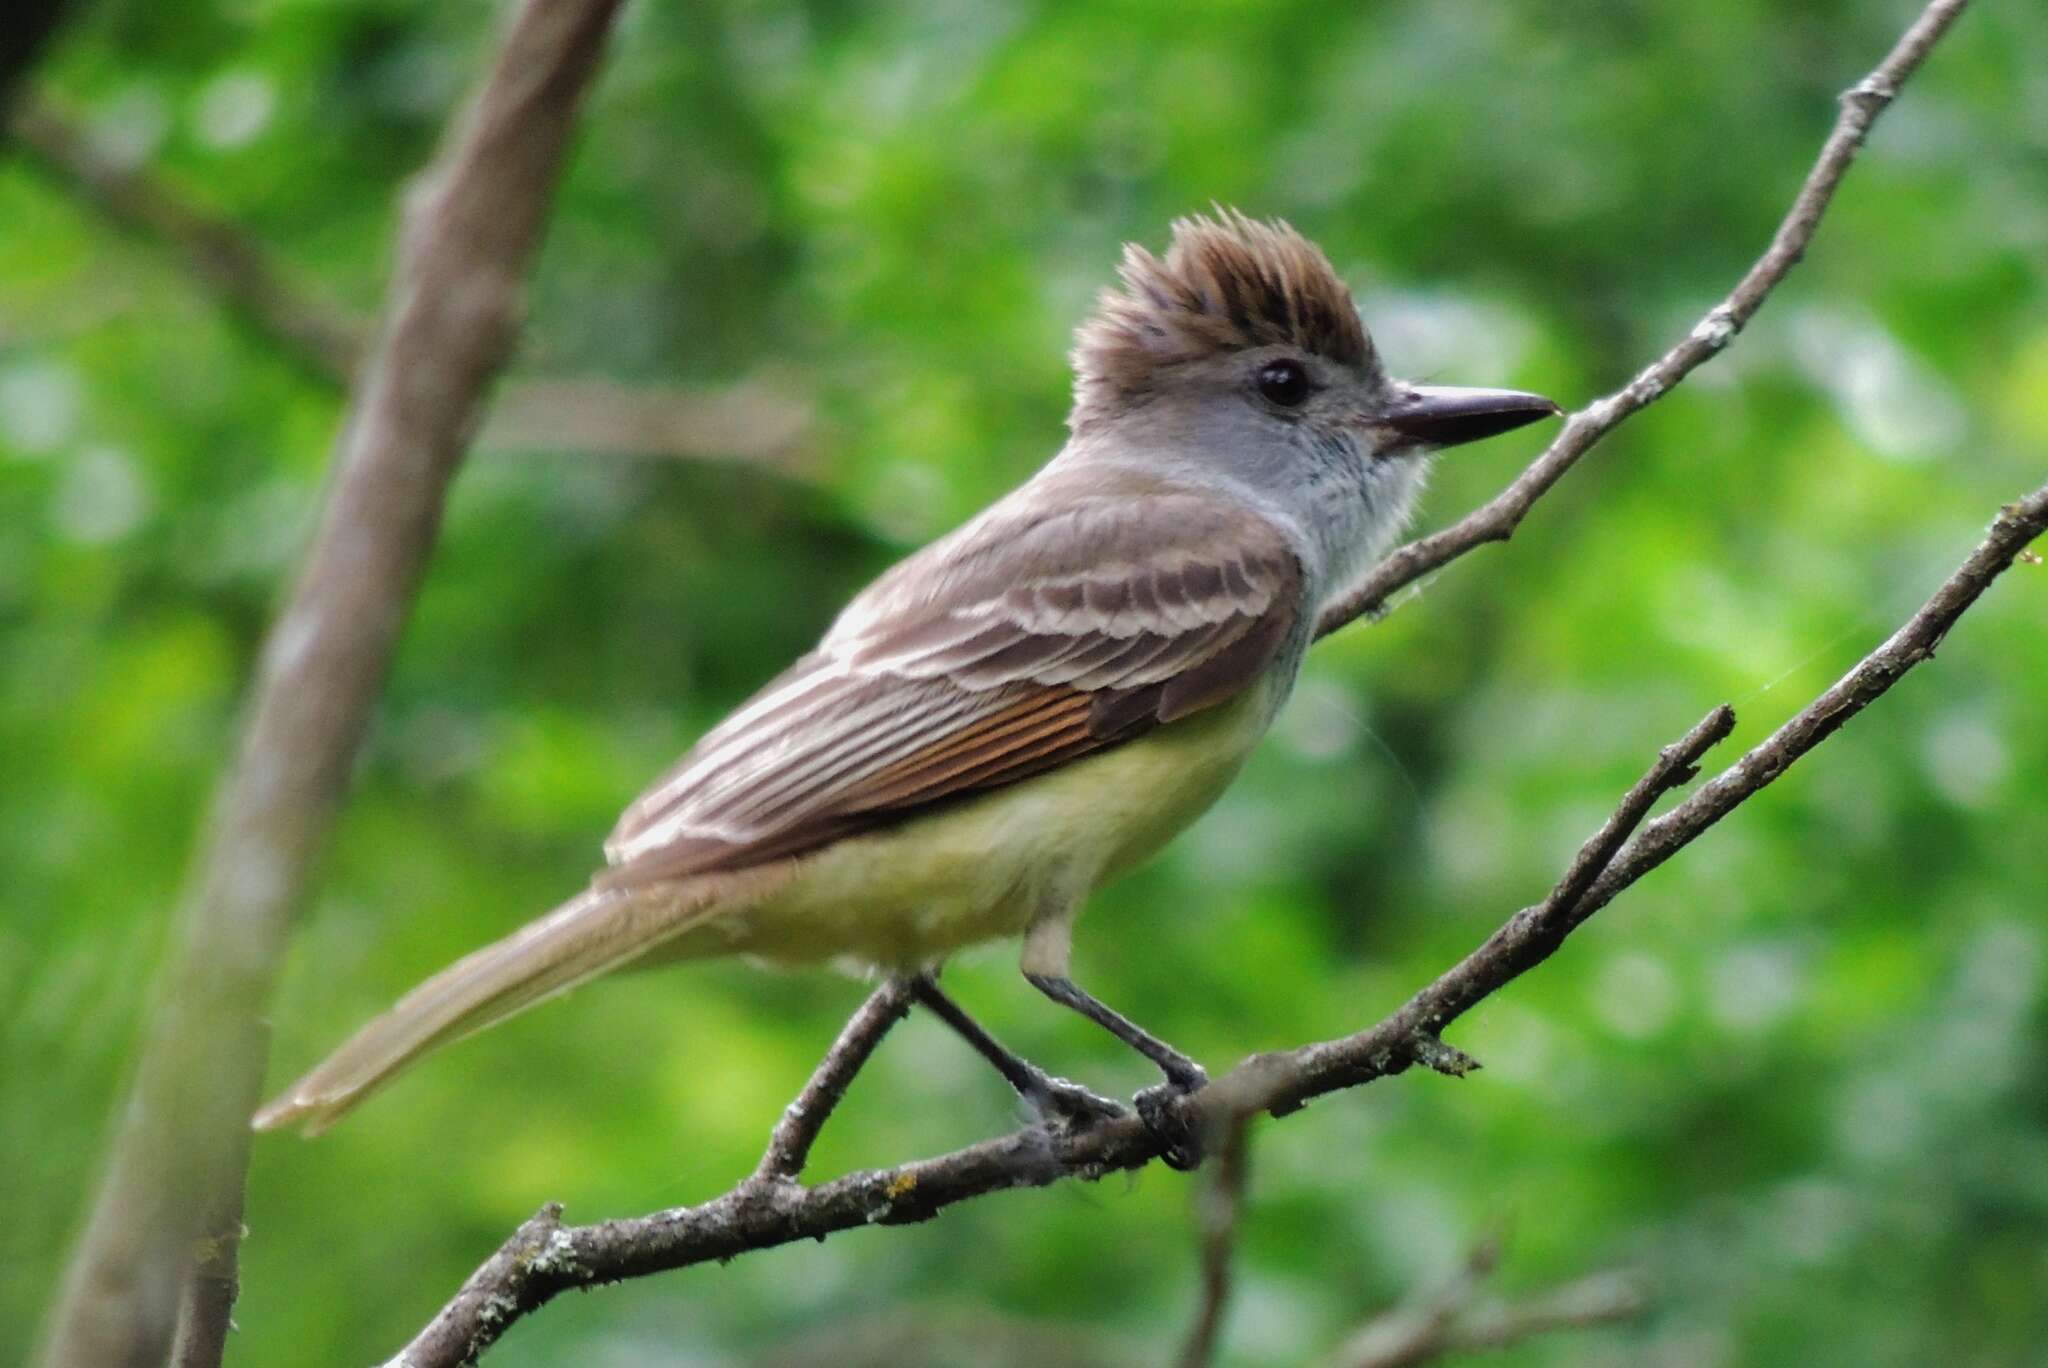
[1225,284]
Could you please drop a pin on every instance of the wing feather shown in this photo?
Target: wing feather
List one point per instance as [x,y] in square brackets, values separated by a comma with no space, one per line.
[1022,642]
[1060,721]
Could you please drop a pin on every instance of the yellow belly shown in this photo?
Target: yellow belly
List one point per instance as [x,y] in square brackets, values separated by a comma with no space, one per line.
[989,866]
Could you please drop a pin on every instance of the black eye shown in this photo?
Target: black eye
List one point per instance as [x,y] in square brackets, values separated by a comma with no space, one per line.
[1284,383]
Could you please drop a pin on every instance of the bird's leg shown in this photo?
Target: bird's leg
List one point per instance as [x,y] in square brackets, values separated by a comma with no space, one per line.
[1183,1148]
[1046,953]
[1072,1105]
[1183,1075]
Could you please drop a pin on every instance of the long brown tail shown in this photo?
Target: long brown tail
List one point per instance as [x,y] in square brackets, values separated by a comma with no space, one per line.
[597,931]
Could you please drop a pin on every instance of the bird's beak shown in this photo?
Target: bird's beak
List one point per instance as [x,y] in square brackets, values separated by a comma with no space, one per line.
[1445,416]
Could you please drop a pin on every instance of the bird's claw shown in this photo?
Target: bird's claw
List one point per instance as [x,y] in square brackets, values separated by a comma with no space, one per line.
[1072,1109]
[1159,1107]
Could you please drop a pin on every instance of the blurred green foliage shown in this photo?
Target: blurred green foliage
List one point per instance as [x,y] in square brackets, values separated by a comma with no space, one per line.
[1798,1077]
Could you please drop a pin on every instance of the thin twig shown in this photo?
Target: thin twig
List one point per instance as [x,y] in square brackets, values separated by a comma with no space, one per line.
[1533,934]
[538,1246]
[470,230]
[1677,765]
[745,1219]
[1600,1299]
[1458,1317]
[2017,524]
[1498,519]
[789,1147]
[1220,1208]
[1410,1333]
[206,1312]
[1526,941]
[319,335]
[760,420]
[757,420]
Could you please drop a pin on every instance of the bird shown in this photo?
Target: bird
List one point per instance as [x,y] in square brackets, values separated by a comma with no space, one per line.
[1034,703]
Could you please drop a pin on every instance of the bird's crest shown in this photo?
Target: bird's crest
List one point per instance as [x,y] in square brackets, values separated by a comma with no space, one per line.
[1226,283]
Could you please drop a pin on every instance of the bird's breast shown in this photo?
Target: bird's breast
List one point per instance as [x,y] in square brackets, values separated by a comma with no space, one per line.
[986,867]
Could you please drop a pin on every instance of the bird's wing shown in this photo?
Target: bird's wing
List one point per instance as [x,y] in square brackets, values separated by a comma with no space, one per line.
[1024,641]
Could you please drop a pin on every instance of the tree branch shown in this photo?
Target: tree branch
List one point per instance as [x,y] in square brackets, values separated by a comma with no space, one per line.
[1497,519]
[544,1258]
[1220,1210]
[316,333]
[759,421]
[180,1154]
[1459,1318]
[1282,1083]
[789,1147]
[518,1279]
[754,420]
[206,1307]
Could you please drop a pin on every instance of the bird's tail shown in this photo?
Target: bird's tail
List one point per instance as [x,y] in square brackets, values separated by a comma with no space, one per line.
[597,931]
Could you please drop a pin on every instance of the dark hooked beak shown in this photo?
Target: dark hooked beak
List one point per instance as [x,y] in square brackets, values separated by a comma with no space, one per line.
[1445,416]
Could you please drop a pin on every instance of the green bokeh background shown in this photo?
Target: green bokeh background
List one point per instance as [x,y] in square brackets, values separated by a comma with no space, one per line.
[1797,1078]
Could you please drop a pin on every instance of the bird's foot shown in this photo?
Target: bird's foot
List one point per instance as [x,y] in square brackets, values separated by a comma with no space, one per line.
[1159,1107]
[1070,1109]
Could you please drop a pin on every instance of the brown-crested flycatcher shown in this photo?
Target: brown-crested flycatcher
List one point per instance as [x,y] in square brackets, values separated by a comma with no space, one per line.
[1032,704]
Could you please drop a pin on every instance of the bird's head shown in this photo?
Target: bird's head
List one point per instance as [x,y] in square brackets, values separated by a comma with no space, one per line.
[1240,350]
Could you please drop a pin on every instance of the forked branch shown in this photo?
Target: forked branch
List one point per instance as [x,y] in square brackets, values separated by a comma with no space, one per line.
[545,1258]
[1461,1317]
[752,420]
[1497,519]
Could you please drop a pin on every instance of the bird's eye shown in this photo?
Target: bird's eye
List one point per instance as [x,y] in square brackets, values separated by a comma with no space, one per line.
[1284,383]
